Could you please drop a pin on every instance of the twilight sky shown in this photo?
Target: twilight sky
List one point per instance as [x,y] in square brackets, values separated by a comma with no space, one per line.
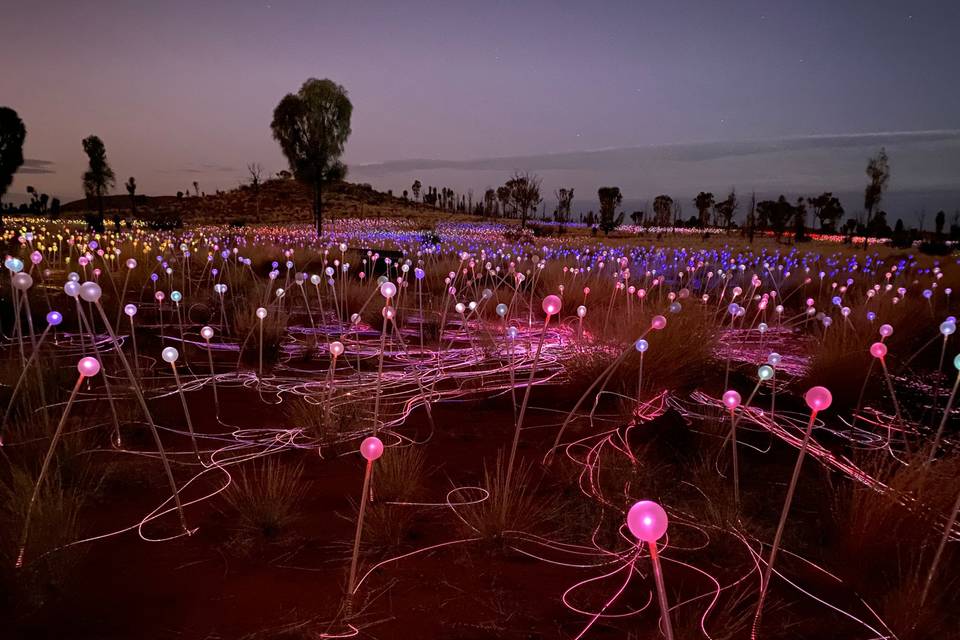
[184,90]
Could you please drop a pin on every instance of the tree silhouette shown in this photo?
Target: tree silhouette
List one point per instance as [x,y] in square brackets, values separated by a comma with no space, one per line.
[777,214]
[827,209]
[939,221]
[255,172]
[878,170]
[131,186]
[610,199]
[725,209]
[524,193]
[703,202]
[416,190]
[503,196]
[662,210]
[98,179]
[12,135]
[564,201]
[312,127]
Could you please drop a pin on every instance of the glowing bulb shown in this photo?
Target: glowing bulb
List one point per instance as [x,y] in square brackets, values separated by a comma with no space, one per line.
[169,354]
[878,350]
[371,448]
[54,318]
[658,323]
[130,310]
[818,398]
[641,345]
[206,333]
[336,348]
[731,399]
[501,310]
[551,305]
[647,521]
[90,291]
[261,313]
[765,372]
[88,367]
[388,290]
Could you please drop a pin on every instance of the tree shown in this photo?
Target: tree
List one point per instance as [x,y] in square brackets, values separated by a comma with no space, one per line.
[131,186]
[800,221]
[662,210]
[703,202]
[54,208]
[255,171]
[489,202]
[524,193]
[610,199]
[196,188]
[725,209]
[777,214]
[99,178]
[637,217]
[503,196]
[939,221]
[416,190]
[312,127]
[12,135]
[751,222]
[564,201]
[827,209]
[878,170]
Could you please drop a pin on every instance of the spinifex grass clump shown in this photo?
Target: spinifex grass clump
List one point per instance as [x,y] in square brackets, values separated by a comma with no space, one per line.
[55,523]
[519,507]
[263,501]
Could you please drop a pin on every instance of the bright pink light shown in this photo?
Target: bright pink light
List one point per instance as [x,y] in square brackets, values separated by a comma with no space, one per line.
[818,398]
[731,399]
[551,305]
[658,322]
[878,350]
[647,521]
[371,448]
[88,367]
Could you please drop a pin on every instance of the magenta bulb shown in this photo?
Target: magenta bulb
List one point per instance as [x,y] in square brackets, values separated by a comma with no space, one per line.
[658,322]
[731,399]
[647,521]
[371,448]
[551,305]
[818,398]
[88,367]
[878,350]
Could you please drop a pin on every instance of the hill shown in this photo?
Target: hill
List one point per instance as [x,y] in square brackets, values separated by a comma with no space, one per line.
[276,200]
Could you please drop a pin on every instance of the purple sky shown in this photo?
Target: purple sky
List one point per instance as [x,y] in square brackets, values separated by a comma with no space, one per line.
[184,90]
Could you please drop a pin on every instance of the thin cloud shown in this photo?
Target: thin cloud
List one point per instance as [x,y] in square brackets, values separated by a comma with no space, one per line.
[34,166]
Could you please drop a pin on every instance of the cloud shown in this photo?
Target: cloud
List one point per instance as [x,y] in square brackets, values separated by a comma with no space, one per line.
[627,157]
[34,166]
[199,169]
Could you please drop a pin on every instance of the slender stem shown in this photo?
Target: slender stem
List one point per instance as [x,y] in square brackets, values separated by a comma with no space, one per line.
[43,470]
[356,540]
[661,590]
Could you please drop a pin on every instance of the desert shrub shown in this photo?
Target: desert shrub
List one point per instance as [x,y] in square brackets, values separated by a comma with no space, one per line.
[263,502]
[48,561]
[343,418]
[400,474]
[521,508]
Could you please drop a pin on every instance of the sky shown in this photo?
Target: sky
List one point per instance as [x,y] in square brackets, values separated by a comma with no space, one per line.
[777,95]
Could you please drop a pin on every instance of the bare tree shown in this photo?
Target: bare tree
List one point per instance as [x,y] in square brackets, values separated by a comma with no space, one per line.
[256,179]
[524,193]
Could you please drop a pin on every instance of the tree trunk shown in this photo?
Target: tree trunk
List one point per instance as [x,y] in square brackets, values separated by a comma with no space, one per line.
[318,206]
[101,218]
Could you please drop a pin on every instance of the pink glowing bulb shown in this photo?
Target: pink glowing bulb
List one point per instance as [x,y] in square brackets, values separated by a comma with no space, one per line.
[731,399]
[88,367]
[647,521]
[878,350]
[371,448]
[336,348]
[818,398]
[551,305]
[658,322]
[886,330]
